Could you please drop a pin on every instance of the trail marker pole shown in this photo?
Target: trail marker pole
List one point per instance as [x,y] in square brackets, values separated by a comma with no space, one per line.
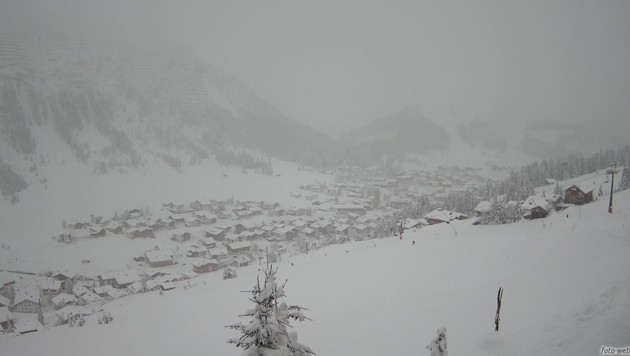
[496,318]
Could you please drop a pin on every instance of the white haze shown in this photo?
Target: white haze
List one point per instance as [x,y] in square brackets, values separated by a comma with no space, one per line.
[336,65]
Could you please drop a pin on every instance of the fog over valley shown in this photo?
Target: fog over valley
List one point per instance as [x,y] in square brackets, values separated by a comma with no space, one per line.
[374,175]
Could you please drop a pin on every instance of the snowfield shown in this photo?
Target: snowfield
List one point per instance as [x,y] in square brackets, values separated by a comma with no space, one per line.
[566,280]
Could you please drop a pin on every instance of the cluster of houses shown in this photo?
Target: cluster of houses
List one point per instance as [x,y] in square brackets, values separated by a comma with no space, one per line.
[550,197]
[31,302]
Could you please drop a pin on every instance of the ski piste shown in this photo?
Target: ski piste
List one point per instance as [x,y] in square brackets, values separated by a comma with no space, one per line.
[496,318]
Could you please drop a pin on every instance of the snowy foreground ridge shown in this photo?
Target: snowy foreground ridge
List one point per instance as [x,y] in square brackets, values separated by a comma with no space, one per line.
[566,280]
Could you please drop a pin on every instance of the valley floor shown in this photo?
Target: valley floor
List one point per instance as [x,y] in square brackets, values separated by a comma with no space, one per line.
[566,280]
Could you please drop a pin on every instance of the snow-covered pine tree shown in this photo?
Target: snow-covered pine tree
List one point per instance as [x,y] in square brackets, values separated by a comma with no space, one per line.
[266,333]
[497,214]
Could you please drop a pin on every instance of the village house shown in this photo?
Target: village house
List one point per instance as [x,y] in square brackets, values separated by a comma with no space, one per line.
[155,225]
[242,214]
[159,258]
[6,319]
[114,228]
[342,229]
[144,233]
[239,247]
[26,300]
[244,226]
[196,251]
[163,283]
[578,194]
[535,207]
[88,298]
[201,205]
[97,232]
[177,219]
[285,233]
[209,242]
[358,230]
[409,224]
[206,265]
[192,222]
[216,233]
[349,208]
[439,216]
[77,225]
[119,279]
[49,287]
[205,218]
[217,252]
[182,237]
[63,299]
[79,289]
[309,232]
[133,214]
[25,323]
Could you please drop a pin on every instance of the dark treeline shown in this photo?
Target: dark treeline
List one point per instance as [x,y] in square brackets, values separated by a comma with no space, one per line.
[244,160]
[520,184]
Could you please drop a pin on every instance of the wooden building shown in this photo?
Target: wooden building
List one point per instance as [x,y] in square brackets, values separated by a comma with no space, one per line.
[206,265]
[578,195]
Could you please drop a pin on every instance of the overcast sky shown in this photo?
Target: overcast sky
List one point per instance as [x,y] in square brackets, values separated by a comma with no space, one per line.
[333,64]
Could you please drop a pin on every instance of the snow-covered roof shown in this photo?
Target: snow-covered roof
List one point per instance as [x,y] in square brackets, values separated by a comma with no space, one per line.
[79,289]
[159,256]
[483,207]
[208,241]
[444,215]
[214,231]
[69,311]
[122,277]
[103,290]
[204,261]
[24,293]
[536,201]
[247,224]
[218,251]
[90,297]
[586,186]
[63,299]
[26,322]
[410,223]
[240,245]
[48,283]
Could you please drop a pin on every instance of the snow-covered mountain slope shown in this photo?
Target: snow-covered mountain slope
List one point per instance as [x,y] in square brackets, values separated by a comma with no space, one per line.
[115,108]
[566,280]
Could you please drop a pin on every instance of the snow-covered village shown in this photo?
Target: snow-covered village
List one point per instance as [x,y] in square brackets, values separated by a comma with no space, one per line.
[269,179]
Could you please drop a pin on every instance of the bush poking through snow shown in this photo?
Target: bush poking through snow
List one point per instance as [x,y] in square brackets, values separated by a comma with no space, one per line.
[105,318]
[438,345]
[229,273]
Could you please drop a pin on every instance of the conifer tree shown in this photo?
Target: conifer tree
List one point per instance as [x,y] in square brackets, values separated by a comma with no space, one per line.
[266,333]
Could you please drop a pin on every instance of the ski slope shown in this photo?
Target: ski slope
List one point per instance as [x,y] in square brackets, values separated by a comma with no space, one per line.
[566,280]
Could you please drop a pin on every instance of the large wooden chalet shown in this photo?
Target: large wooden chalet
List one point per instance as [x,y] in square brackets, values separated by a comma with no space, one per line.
[578,195]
